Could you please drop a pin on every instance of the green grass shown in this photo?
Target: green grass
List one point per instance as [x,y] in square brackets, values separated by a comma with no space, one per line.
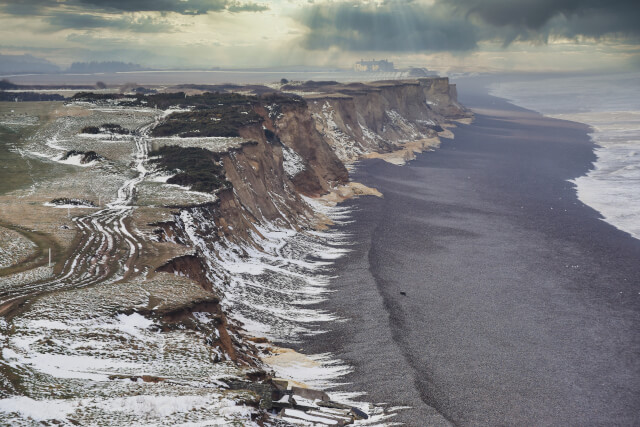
[16,171]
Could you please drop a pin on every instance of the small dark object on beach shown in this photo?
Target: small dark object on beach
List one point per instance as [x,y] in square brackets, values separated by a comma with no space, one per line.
[403,293]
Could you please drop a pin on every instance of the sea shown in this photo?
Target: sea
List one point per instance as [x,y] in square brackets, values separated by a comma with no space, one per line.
[610,105]
[212,77]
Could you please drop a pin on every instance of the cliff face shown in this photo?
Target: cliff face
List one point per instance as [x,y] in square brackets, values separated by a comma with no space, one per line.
[358,119]
[311,163]
[300,149]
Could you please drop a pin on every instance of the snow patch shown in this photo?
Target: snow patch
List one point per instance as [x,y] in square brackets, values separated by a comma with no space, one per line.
[132,324]
[293,164]
[75,160]
[38,410]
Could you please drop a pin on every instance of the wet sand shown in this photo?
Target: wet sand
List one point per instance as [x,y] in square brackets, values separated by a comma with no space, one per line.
[522,307]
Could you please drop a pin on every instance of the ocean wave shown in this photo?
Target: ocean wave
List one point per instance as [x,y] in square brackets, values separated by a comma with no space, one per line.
[611,107]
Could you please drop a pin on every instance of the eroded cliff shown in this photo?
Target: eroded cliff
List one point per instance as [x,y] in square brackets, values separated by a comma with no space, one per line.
[307,136]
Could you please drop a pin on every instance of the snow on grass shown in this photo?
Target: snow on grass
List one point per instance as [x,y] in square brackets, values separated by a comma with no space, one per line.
[216,144]
[69,206]
[14,281]
[48,352]
[14,247]
[25,407]
[17,121]
[144,409]
[57,365]
[132,324]
[160,176]
[155,406]
[74,352]
[75,160]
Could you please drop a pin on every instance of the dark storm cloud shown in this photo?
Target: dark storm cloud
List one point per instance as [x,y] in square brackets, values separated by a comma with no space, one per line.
[609,16]
[394,26]
[190,7]
[88,14]
[183,7]
[144,24]
[458,25]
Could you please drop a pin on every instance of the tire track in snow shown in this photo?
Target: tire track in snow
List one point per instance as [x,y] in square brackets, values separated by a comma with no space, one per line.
[106,245]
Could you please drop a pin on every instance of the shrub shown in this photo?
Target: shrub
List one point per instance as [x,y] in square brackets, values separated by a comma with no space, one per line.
[74,202]
[223,121]
[106,128]
[87,156]
[196,168]
[94,130]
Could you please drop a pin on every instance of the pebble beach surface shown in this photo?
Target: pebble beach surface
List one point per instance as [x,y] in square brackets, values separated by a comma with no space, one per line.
[481,291]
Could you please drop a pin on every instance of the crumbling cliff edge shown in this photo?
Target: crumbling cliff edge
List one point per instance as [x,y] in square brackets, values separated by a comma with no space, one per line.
[302,149]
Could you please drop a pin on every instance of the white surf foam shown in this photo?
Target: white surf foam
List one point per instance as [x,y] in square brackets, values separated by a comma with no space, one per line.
[610,104]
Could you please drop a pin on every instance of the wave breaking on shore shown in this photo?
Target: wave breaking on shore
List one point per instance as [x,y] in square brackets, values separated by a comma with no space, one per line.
[610,106]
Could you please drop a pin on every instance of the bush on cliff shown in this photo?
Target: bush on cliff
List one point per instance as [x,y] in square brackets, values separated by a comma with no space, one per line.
[196,168]
[106,128]
[221,121]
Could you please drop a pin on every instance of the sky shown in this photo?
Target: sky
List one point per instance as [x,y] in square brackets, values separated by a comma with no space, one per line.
[444,35]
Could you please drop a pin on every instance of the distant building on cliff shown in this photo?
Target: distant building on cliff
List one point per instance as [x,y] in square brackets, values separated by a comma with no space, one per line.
[374,66]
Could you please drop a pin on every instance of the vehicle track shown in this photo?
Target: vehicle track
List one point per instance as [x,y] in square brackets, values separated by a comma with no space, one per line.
[106,250]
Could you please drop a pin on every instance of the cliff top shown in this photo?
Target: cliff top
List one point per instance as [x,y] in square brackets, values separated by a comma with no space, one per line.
[314,90]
